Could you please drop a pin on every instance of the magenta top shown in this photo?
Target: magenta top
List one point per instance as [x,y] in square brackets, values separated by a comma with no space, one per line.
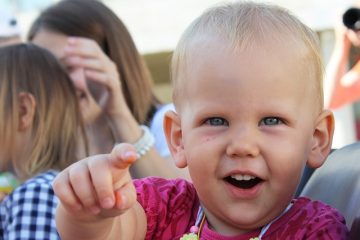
[171,208]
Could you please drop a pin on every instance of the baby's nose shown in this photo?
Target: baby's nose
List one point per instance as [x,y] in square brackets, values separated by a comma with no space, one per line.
[243,143]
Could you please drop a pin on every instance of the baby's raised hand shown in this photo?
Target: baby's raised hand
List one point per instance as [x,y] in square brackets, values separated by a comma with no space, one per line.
[98,185]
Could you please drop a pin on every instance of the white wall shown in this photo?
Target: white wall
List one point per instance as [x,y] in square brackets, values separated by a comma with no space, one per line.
[158,24]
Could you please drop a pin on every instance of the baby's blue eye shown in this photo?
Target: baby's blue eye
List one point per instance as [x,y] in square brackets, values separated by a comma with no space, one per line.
[271,121]
[216,121]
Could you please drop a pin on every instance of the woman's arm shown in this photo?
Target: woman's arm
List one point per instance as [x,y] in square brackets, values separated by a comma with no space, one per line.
[338,63]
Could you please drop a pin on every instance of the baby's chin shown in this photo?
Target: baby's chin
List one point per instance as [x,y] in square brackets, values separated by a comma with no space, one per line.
[237,226]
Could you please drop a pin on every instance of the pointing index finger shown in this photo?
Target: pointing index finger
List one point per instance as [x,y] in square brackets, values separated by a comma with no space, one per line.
[113,175]
[122,156]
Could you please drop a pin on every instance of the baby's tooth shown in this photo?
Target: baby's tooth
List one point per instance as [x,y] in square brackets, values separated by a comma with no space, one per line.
[247,177]
[240,177]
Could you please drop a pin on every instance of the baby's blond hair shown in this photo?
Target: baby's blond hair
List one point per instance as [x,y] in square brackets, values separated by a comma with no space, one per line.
[245,25]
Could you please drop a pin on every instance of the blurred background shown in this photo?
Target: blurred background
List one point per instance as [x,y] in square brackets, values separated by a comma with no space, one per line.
[156,25]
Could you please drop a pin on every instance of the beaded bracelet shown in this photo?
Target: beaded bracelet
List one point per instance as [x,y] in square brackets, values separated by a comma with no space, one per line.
[144,144]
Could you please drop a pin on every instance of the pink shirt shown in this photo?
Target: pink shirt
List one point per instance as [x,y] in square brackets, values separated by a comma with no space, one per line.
[171,207]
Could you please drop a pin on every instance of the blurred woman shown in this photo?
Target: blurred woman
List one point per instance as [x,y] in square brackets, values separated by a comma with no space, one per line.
[113,83]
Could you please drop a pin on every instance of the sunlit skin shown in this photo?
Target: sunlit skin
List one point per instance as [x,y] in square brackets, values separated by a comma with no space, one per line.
[354,37]
[248,113]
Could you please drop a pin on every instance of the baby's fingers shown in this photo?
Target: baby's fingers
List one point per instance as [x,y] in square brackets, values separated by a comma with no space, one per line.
[82,185]
[125,196]
[122,156]
[63,190]
[102,184]
[107,177]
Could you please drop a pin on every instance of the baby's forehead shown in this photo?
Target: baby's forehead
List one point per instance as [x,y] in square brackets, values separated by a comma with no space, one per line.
[205,50]
[205,57]
[247,27]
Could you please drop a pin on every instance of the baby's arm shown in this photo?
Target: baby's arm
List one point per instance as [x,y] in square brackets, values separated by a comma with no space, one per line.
[98,198]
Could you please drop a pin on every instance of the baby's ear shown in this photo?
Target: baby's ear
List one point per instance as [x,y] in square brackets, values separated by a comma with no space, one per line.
[27,106]
[322,139]
[173,133]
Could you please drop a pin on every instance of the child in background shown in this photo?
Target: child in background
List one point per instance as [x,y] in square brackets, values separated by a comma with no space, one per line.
[40,124]
[249,116]
[9,34]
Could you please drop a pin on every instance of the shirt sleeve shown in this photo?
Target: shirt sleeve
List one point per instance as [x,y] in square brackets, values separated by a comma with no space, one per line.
[310,220]
[169,206]
[328,224]
[28,212]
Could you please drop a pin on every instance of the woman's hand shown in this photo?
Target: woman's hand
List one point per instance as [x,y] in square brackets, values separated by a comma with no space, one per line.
[95,77]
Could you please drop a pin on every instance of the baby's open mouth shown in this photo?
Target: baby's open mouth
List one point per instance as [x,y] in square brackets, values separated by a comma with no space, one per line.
[243,181]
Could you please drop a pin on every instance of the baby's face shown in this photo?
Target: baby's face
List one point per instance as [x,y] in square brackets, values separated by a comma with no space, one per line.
[247,126]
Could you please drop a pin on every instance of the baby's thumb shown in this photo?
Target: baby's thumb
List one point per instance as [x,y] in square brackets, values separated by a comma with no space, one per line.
[122,156]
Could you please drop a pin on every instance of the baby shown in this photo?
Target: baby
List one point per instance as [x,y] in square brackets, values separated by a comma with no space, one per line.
[249,117]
